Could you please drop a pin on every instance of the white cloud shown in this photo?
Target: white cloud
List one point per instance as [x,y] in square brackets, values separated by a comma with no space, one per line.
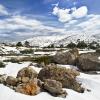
[80,12]
[91,25]
[3,10]
[64,15]
[25,26]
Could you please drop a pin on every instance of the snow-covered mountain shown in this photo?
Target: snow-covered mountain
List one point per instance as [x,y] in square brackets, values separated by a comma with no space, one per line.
[63,39]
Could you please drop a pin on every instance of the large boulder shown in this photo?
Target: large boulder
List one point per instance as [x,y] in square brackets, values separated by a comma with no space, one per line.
[27,72]
[66,57]
[63,75]
[89,62]
[54,87]
[30,88]
[11,81]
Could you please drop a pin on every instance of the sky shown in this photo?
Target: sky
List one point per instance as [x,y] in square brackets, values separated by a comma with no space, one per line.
[21,19]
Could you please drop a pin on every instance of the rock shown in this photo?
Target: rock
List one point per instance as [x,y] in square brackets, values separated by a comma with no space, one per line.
[66,57]
[11,81]
[54,87]
[25,79]
[3,79]
[30,88]
[89,62]
[27,72]
[63,75]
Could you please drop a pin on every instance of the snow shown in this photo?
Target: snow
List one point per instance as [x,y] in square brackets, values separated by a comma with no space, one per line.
[91,82]
[99,58]
[45,53]
[8,49]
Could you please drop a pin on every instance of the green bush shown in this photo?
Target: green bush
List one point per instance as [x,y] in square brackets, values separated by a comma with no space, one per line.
[2,65]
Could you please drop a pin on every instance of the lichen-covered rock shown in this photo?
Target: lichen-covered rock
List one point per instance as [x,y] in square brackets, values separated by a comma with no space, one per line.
[11,81]
[54,87]
[63,75]
[30,88]
[66,57]
[89,62]
[27,72]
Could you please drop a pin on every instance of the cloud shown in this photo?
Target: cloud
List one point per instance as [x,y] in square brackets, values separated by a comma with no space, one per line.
[66,15]
[23,26]
[80,12]
[90,25]
[62,14]
[3,10]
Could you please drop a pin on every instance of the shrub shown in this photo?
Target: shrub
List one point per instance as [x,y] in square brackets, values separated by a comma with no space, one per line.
[45,59]
[19,44]
[2,65]
[71,45]
[13,60]
[94,45]
[27,51]
[81,45]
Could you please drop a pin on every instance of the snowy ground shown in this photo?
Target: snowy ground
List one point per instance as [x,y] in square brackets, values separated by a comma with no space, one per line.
[91,82]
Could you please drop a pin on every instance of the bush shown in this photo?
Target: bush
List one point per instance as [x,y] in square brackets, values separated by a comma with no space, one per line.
[71,45]
[2,65]
[19,44]
[45,59]
[94,45]
[13,60]
[82,45]
[27,51]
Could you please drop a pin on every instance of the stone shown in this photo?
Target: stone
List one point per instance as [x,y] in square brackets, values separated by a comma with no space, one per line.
[29,88]
[54,87]
[66,57]
[25,79]
[11,81]
[66,76]
[3,79]
[89,62]
[27,72]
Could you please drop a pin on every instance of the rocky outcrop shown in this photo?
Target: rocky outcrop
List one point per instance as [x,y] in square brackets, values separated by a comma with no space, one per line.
[63,75]
[54,87]
[66,57]
[27,72]
[89,62]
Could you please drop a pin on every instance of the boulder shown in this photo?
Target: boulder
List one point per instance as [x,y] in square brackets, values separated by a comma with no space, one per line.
[63,75]
[3,79]
[89,62]
[54,87]
[27,72]
[30,88]
[11,81]
[66,57]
